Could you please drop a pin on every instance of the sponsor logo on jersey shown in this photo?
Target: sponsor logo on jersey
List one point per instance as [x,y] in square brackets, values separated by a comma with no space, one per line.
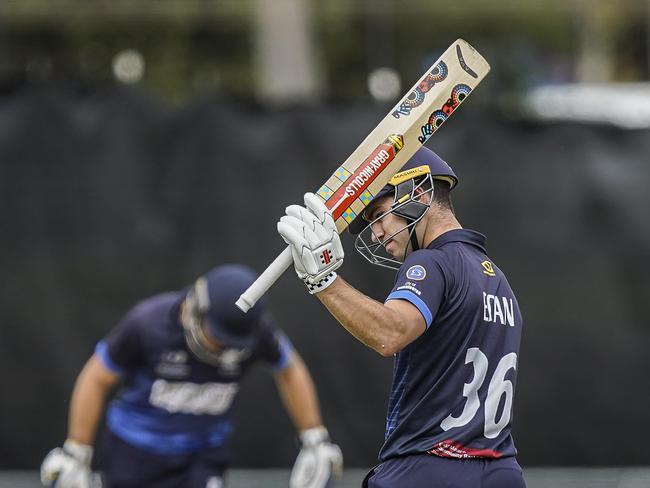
[488,269]
[173,364]
[193,398]
[409,285]
[174,356]
[416,272]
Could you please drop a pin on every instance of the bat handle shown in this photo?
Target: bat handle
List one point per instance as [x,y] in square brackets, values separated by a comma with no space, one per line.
[261,285]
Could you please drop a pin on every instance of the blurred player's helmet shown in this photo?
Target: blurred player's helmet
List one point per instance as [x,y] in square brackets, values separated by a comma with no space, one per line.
[414,180]
[210,310]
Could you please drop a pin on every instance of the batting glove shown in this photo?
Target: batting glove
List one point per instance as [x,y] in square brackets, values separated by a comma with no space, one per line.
[317,461]
[315,244]
[69,467]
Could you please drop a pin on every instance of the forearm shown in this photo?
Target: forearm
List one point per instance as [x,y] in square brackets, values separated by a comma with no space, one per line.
[87,404]
[371,322]
[299,395]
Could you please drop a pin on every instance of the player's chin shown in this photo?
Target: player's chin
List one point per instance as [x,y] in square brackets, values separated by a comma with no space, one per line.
[402,251]
[394,249]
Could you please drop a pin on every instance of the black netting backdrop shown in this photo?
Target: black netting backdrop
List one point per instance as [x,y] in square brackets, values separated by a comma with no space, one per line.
[107,196]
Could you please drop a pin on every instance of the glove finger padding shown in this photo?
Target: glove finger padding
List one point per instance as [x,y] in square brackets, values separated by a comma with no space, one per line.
[296,233]
[320,210]
[296,241]
[308,226]
[291,230]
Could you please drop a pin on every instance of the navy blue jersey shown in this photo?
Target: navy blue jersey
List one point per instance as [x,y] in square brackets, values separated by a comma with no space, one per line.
[170,402]
[453,386]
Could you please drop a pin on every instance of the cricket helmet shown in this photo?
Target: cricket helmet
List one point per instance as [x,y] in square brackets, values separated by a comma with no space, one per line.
[211,307]
[413,180]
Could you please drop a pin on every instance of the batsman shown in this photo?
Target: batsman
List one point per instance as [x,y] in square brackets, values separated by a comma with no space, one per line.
[451,321]
[179,358]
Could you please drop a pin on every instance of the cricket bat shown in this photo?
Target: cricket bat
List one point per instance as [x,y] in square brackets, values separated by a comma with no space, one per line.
[353,185]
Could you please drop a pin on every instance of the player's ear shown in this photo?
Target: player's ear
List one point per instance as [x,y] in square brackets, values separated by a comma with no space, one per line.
[422,195]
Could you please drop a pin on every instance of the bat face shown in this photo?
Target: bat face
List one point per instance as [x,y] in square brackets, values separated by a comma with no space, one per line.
[431,101]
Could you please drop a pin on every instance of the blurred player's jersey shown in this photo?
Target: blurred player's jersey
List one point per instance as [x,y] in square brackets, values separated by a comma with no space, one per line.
[453,386]
[170,402]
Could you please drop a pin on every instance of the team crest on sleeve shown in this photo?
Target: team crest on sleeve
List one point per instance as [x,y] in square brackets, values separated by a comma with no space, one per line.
[416,272]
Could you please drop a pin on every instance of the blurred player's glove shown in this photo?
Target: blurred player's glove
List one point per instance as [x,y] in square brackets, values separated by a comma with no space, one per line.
[317,461]
[69,467]
[315,243]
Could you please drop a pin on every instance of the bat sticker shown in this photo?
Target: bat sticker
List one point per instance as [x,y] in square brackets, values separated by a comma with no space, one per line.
[458,94]
[357,182]
[463,64]
[416,97]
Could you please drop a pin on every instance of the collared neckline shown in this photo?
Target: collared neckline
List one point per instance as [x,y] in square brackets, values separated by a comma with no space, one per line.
[467,236]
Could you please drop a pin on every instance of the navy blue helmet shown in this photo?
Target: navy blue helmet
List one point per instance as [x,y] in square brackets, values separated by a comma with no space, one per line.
[212,300]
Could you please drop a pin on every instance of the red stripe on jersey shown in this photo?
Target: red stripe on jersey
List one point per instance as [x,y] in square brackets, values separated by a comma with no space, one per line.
[453,449]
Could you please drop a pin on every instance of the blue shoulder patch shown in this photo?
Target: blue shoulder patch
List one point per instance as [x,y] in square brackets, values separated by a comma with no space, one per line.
[416,272]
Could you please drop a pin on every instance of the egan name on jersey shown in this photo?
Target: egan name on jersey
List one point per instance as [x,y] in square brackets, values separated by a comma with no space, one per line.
[498,310]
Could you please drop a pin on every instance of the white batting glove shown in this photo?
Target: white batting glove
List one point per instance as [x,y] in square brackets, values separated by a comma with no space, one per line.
[69,467]
[317,461]
[315,244]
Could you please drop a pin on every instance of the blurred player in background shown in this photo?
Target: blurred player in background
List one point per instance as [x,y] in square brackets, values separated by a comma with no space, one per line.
[180,357]
[451,321]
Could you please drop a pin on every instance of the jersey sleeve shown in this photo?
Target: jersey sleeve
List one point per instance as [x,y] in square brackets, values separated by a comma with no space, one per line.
[421,282]
[274,346]
[121,350]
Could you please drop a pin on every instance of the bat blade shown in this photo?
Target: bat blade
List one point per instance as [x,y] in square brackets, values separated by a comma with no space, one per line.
[418,115]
